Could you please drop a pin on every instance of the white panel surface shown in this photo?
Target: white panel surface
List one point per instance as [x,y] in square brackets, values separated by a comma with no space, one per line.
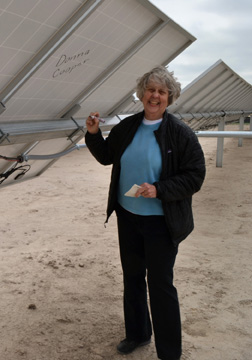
[25,26]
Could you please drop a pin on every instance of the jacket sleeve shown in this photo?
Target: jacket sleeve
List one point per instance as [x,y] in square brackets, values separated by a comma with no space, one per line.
[190,170]
[108,150]
[101,148]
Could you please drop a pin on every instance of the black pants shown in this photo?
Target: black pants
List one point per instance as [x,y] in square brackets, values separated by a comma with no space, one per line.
[145,247]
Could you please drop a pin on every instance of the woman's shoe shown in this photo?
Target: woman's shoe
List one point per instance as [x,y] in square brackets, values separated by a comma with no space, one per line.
[128,346]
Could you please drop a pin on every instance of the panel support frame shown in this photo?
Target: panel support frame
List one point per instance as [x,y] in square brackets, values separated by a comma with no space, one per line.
[220,143]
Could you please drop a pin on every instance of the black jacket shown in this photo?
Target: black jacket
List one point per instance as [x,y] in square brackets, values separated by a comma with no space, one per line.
[183,167]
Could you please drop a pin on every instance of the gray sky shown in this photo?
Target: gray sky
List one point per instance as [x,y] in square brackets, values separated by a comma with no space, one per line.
[223,29]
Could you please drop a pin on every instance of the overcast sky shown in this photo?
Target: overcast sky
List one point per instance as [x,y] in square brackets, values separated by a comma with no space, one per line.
[223,29]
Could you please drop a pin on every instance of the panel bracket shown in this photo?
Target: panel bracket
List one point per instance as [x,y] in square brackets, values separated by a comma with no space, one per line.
[2,107]
[75,132]
[3,137]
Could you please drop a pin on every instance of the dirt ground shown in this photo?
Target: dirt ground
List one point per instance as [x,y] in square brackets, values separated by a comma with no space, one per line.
[60,273]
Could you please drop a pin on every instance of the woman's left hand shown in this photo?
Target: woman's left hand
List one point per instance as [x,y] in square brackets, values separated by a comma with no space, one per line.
[146,190]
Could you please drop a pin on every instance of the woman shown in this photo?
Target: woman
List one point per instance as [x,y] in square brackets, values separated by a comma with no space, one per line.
[162,155]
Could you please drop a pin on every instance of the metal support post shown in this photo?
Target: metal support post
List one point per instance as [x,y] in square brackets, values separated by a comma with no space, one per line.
[241,128]
[220,143]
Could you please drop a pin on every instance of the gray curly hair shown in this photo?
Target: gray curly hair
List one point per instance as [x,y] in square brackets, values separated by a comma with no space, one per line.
[159,74]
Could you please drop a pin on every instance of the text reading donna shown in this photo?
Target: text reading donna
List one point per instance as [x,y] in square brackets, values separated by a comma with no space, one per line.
[71,63]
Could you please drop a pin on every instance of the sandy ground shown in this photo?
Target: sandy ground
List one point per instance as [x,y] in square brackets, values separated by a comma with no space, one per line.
[60,273]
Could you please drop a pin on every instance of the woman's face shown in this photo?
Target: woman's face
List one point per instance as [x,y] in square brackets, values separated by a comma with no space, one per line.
[155,100]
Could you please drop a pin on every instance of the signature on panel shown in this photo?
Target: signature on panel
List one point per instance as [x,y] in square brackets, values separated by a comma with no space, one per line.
[67,64]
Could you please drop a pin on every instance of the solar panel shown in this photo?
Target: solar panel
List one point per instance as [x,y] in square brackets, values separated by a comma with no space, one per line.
[217,92]
[67,57]
[218,88]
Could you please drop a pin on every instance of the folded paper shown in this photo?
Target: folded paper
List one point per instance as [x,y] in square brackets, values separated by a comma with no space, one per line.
[132,191]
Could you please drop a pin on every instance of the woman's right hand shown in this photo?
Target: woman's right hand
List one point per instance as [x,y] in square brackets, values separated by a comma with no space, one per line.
[93,123]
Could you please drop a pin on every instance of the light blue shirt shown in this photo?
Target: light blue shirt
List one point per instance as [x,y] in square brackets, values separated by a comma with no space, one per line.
[141,162]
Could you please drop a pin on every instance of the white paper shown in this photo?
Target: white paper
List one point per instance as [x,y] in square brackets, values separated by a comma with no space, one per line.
[132,191]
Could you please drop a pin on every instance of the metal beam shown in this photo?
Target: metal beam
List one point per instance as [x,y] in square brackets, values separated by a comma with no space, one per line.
[23,130]
[224,134]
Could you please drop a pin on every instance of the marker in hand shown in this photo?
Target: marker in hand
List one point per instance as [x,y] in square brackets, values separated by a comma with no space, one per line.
[93,117]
